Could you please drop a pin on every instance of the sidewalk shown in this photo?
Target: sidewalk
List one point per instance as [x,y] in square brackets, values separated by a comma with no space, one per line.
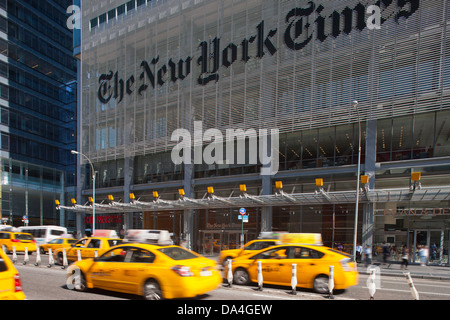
[417,271]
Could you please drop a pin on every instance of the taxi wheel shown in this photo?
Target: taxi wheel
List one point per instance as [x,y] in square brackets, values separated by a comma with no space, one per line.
[241,277]
[79,282]
[42,250]
[60,259]
[152,290]
[320,284]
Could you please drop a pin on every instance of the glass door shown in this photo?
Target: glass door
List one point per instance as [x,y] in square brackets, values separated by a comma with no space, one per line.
[428,246]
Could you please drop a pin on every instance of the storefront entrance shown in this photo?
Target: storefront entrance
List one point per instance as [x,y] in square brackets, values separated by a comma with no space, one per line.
[211,242]
[433,241]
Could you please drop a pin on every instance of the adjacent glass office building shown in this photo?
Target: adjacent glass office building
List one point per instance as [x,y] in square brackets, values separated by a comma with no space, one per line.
[37,111]
[151,67]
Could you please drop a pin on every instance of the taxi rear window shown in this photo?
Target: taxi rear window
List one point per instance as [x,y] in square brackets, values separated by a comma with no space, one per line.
[177,253]
[113,243]
[23,236]
[3,266]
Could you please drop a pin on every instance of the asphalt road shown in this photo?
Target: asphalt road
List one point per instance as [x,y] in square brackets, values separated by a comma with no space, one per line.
[42,283]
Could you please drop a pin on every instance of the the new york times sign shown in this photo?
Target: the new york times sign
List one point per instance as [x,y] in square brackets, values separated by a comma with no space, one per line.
[296,34]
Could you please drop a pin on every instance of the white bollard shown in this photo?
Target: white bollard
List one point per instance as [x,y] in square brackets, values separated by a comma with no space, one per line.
[414,292]
[38,257]
[14,257]
[260,276]
[51,261]
[4,248]
[371,284]
[96,254]
[65,263]
[294,279]
[79,255]
[230,274]
[26,258]
[331,282]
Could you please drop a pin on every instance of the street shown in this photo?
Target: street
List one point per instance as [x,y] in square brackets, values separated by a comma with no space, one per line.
[43,283]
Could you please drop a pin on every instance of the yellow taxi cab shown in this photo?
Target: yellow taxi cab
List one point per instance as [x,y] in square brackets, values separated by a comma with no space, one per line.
[313,265]
[88,248]
[10,284]
[58,243]
[20,240]
[152,271]
[249,247]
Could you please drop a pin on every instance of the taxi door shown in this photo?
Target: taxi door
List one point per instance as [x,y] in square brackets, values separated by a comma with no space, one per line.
[307,264]
[72,253]
[272,261]
[103,272]
[91,246]
[130,276]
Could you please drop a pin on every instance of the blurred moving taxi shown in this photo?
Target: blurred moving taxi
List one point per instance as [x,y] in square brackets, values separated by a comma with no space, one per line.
[251,246]
[87,247]
[10,285]
[313,265]
[152,271]
[58,243]
[20,240]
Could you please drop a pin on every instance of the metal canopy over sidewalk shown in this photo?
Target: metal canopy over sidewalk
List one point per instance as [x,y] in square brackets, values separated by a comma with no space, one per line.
[280,198]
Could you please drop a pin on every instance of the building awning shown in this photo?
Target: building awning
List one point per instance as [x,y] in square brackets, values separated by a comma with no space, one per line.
[280,198]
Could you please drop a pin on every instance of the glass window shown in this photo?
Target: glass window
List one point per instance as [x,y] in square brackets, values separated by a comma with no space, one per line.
[259,245]
[423,135]
[177,253]
[275,253]
[121,254]
[114,242]
[401,138]
[142,256]
[442,144]
[3,266]
[304,253]
[111,14]
[94,23]
[23,236]
[94,243]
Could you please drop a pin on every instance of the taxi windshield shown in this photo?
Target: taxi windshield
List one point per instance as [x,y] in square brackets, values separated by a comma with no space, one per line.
[177,253]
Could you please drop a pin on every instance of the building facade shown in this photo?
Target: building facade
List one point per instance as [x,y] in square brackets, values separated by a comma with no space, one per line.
[38,112]
[149,68]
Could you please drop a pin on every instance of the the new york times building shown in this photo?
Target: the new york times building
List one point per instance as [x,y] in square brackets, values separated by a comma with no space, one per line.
[149,68]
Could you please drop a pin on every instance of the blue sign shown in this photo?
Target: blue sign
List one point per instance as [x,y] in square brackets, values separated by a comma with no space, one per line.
[242,211]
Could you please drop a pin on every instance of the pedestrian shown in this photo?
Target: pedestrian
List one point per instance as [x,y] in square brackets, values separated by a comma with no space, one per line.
[368,255]
[423,255]
[386,252]
[405,257]
[359,250]
[433,251]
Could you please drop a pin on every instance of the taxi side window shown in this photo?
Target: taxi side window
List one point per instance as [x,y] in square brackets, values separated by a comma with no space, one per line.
[3,265]
[95,243]
[4,235]
[276,253]
[142,256]
[305,253]
[116,255]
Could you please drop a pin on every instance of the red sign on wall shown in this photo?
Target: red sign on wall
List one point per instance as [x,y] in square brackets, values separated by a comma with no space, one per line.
[103,219]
